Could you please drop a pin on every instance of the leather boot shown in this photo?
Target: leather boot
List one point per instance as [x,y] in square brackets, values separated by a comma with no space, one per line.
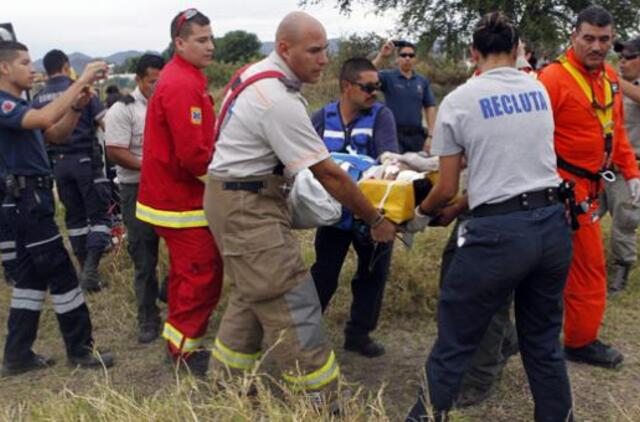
[90,278]
[620,277]
[148,324]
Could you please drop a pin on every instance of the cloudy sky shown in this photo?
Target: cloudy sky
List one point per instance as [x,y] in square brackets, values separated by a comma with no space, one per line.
[100,28]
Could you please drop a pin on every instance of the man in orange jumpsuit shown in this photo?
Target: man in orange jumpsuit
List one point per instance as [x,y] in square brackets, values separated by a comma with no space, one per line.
[590,140]
[178,144]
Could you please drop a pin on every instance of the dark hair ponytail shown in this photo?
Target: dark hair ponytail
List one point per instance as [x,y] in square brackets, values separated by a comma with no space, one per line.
[495,34]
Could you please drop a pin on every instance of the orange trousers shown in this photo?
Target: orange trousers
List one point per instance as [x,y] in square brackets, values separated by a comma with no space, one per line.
[585,293]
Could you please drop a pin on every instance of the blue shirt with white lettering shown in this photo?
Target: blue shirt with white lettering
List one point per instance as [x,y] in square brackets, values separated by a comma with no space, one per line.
[83,138]
[22,151]
[406,97]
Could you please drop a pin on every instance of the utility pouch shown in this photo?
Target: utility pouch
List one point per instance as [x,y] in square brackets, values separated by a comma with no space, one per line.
[566,194]
[12,186]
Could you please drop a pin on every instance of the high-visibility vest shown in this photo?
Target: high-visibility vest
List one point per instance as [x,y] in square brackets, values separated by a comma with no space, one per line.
[604,113]
[355,139]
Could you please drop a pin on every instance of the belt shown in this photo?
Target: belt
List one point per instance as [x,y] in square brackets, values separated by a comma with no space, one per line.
[410,130]
[61,155]
[254,186]
[523,202]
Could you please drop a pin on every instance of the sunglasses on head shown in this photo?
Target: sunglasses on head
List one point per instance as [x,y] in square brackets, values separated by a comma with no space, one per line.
[184,17]
[628,56]
[369,88]
[405,55]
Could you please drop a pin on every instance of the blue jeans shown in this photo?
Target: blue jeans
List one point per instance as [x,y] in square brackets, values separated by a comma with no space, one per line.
[526,253]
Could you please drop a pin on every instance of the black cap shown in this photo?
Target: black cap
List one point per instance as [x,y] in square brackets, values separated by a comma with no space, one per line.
[632,46]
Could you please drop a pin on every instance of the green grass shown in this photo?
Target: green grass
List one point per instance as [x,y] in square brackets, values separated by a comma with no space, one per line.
[142,387]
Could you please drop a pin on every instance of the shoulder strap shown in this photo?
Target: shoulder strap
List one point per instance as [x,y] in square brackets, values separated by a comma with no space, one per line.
[604,116]
[236,86]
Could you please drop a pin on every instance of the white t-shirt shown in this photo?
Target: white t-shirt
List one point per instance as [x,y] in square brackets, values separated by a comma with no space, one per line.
[502,121]
[124,127]
[267,124]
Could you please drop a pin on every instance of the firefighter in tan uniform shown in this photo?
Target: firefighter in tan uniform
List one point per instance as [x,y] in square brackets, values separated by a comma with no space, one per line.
[265,137]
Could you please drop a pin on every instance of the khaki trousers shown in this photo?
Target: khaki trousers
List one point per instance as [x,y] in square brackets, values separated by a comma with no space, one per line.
[625,218]
[274,301]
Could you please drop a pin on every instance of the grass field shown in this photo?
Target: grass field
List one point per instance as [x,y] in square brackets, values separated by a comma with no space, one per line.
[142,387]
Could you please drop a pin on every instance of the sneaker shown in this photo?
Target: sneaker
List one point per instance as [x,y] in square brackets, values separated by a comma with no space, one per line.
[471,395]
[596,353]
[36,362]
[93,360]
[365,346]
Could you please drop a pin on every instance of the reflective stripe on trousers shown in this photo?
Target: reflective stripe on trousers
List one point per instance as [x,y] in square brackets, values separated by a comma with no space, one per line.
[233,359]
[316,379]
[179,340]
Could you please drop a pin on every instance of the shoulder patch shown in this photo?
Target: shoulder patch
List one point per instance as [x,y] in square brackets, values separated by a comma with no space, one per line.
[8,106]
[196,115]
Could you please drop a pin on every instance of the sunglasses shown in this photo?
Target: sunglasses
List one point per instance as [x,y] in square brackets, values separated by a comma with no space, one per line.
[184,17]
[369,88]
[405,55]
[628,56]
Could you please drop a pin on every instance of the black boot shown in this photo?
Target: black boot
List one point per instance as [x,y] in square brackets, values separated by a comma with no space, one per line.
[364,345]
[596,353]
[90,278]
[620,277]
[148,324]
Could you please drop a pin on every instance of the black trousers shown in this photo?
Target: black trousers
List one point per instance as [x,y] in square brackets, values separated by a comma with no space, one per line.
[527,254]
[142,245]
[367,285]
[85,193]
[7,243]
[42,262]
[498,342]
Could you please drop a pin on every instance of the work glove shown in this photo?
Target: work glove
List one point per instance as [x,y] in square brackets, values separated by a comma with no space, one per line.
[419,223]
[634,190]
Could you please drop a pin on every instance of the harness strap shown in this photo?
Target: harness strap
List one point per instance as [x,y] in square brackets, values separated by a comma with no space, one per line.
[604,114]
[236,86]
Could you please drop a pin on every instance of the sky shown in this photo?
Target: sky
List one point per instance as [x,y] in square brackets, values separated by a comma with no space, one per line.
[100,28]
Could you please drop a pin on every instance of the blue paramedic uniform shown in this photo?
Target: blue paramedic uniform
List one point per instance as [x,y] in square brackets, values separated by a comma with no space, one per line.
[371,133]
[42,260]
[79,173]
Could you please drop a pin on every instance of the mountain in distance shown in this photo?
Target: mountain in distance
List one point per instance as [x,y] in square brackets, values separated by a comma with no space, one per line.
[80,60]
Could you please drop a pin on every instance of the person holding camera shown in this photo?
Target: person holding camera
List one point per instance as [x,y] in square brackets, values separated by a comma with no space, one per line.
[29,207]
[408,95]
[78,168]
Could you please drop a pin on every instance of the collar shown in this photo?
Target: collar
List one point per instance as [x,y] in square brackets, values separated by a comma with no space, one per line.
[291,81]
[401,75]
[360,114]
[9,96]
[137,95]
[59,79]
[573,59]
[190,68]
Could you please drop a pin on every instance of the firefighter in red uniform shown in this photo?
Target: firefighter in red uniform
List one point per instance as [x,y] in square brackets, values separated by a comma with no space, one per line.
[590,140]
[177,149]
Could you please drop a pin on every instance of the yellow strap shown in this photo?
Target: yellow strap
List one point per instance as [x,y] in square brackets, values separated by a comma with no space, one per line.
[172,219]
[233,359]
[316,379]
[604,116]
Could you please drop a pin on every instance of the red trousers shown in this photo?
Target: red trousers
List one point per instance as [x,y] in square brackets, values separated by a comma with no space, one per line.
[585,294]
[195,283]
